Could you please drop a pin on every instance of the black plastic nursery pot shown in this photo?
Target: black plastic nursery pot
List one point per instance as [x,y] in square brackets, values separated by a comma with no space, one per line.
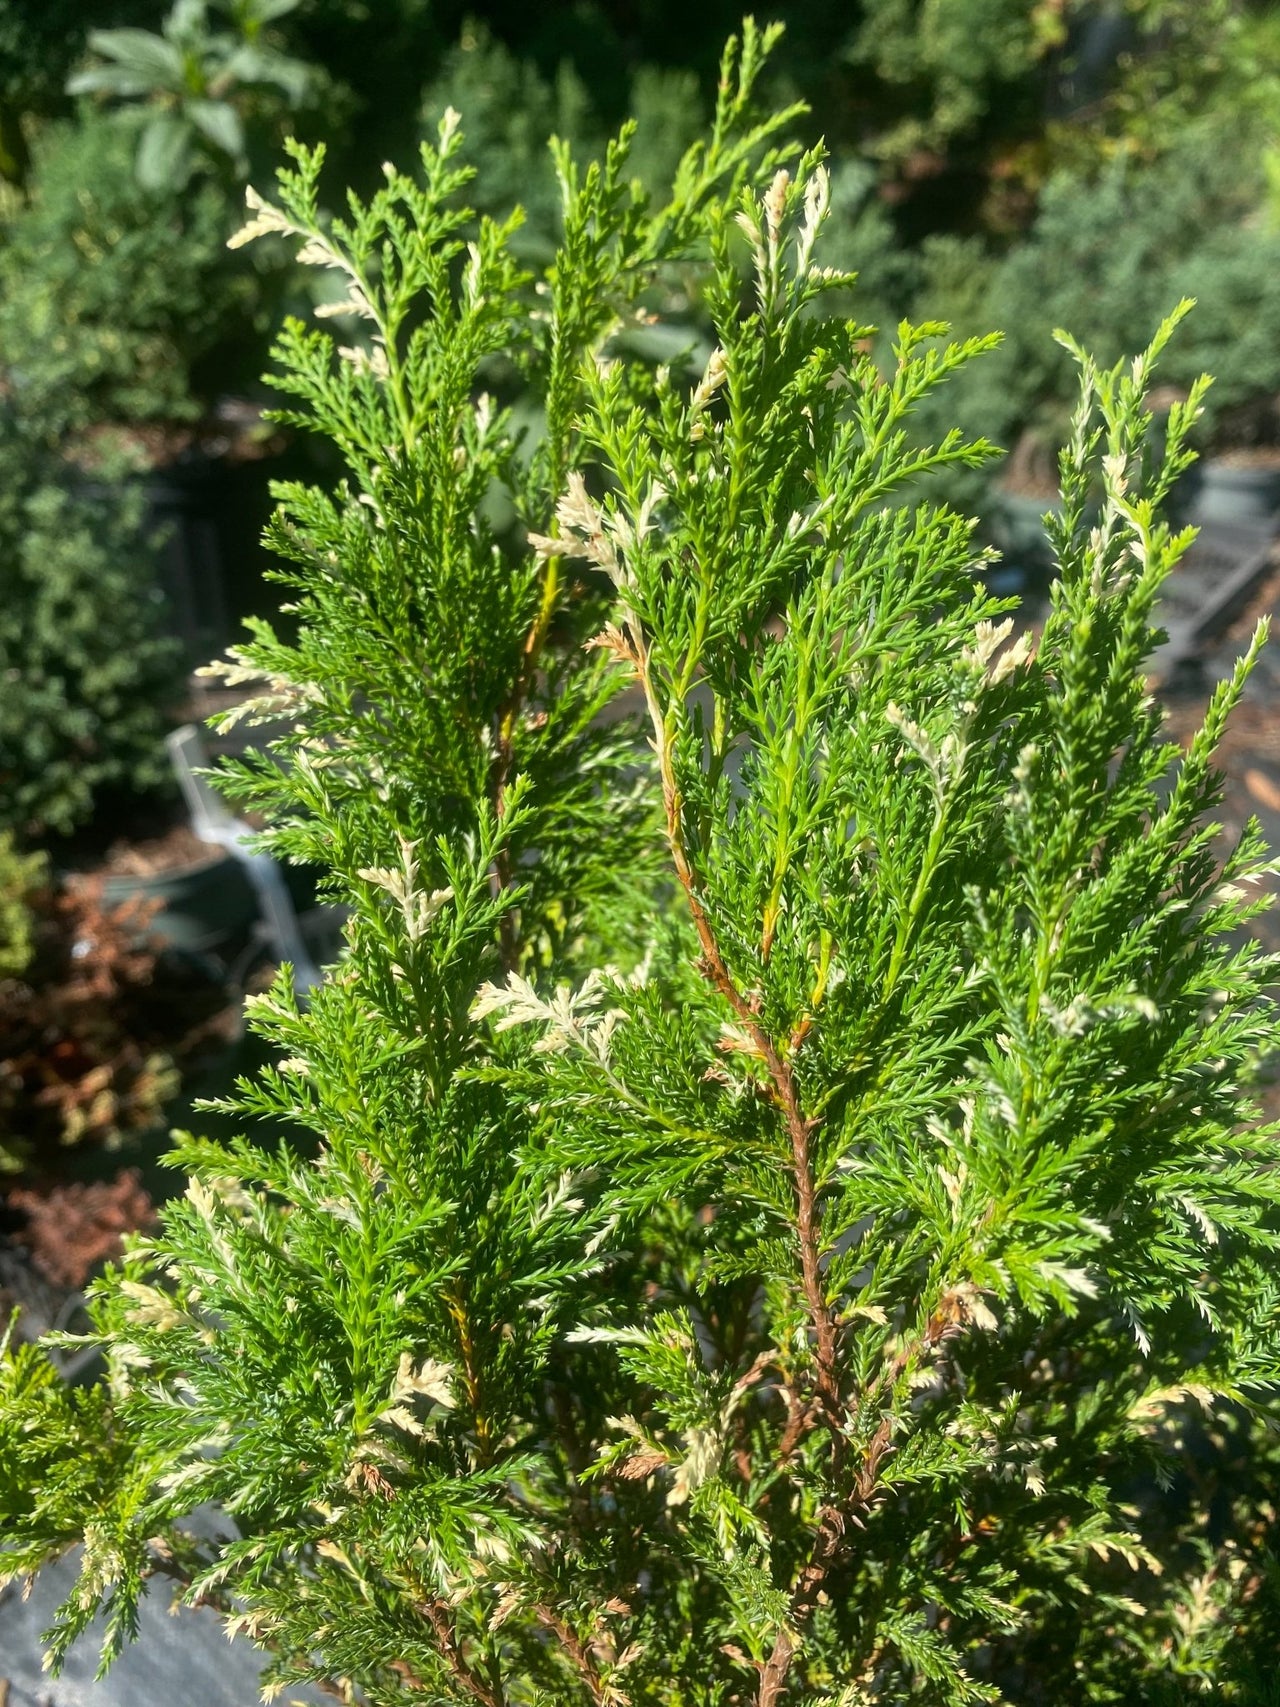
[205,510]
[210,513]
[202,906]
[1237,494]
[1014,524]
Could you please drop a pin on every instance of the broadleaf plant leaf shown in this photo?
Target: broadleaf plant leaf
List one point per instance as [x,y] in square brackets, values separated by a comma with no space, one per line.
[164,151]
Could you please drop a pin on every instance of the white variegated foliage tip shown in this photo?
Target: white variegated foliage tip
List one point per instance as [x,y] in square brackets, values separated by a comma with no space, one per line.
[430,1379]
[570,1018]
[985,652]
[418,907]
[265,219]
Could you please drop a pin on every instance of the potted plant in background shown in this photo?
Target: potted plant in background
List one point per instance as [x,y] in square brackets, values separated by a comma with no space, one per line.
[87,674]
[20,875]
[138,488]
[1114,241]
[126,330]
[39,45]
[121,319]
[90,683]
[202,82]
[68,1072]
[79,1061]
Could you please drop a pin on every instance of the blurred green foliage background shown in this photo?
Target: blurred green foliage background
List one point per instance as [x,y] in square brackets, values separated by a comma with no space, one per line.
[1013,163]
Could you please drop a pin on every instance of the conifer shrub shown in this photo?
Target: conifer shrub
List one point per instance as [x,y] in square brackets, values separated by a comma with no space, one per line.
[112,293]
[1112,247]
[780,1184]
[87,675]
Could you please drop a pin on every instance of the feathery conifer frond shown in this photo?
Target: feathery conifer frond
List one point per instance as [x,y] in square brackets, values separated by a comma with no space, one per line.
[778,1148]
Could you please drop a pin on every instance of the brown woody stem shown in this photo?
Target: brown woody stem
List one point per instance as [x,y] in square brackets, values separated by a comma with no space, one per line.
[575,1648]
[457,1307]
[470,1680]
[779,1067]
[504,754]
[826,1544]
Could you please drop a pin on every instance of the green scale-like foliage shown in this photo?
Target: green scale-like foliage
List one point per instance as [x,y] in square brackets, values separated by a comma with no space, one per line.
[778,1178]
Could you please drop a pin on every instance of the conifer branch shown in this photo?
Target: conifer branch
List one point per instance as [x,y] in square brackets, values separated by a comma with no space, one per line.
[780,1069]
[576,1650]
[992,991]
[832,1528]
[488,1694]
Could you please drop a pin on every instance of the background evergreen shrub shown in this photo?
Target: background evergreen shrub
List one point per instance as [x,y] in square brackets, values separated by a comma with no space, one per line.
[87,674]
[19,875]
[112,293]
[1110,248]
